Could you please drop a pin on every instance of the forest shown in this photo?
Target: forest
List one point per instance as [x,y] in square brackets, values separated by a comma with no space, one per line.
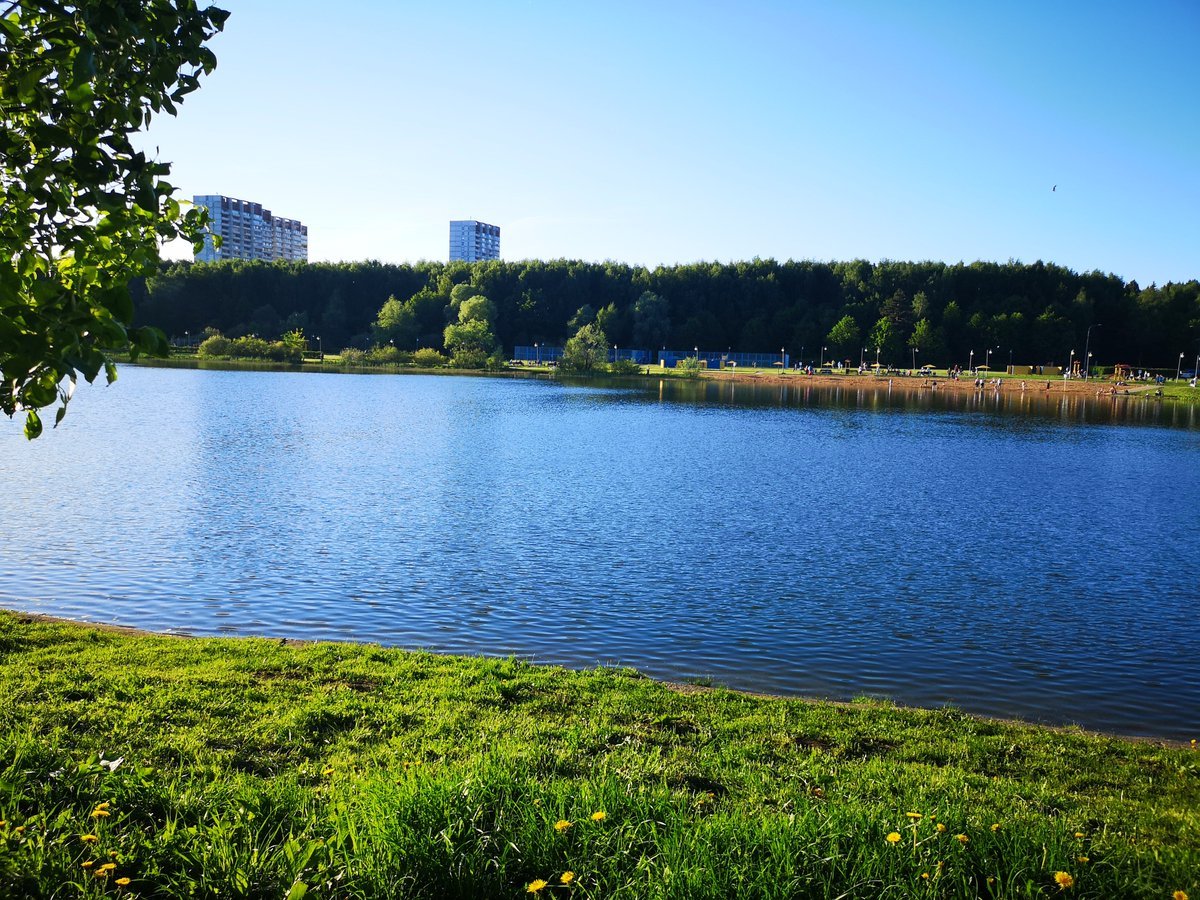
[1035,314]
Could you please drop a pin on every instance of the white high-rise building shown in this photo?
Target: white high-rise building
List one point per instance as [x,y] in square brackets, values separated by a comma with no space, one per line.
[471,241]
[248,231]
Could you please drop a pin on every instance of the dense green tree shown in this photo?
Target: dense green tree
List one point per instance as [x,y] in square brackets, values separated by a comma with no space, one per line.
[844,335]
[651,321]
[396,324]
[928,340]
[885,339]
[586,352]
[471,340]
[82,211]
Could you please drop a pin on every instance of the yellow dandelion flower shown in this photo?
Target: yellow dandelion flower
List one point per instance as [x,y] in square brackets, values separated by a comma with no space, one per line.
[88,864]
[1064,880]
[20,829]
[561,825]
[995,826]
[914,815]
[99,813]
[893,837]
[88,838]
[108,867]
[962,838]
[112,854]
[1079,834]
[328,771]
[123,882]
[567,877]
[1180,895]
[925,875]
[991,880]
[536,885]
[101,873]
[1083,859]
[599,815]
[941,828]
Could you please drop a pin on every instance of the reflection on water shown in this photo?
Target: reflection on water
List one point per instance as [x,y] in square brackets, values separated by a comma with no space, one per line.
[999,553]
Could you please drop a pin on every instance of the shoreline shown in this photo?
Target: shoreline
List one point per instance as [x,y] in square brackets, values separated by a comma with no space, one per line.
[22,617]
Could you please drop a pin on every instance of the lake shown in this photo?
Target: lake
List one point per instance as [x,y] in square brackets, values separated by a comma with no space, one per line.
[1012,556]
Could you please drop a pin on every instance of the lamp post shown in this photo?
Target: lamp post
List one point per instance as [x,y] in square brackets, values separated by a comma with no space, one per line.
[1010,369]
[187,339]
[823,356]
[877,349]
[987,359]
[1178,367]
[862,357]
[801,354]
[971,363]
[616,353]
[320,348]
[1086,354]
[914,350]
[1071,365]
[782,364]
[537,353]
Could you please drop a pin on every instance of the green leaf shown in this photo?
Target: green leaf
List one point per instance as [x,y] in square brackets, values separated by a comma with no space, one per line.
[33,424]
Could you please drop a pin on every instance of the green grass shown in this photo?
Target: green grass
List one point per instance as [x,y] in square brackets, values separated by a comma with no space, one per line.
[258,769]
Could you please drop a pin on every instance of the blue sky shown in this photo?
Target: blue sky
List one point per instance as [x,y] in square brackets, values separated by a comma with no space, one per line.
[665,132]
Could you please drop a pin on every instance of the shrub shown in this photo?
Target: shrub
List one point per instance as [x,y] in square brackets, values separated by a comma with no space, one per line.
[428,358]
[469,358]
[352,356]
[625,367]
[214,346]
[688,367]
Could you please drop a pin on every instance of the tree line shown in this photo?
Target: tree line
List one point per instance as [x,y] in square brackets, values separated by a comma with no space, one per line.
[840,310]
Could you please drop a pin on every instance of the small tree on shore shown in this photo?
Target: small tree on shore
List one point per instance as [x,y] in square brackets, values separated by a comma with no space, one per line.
[587,352]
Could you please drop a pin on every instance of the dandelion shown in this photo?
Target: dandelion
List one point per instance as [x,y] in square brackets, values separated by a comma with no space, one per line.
[88,838]
[941,828]
[1064,880]
[567,877]
[100,813]
[925,875]
[108,867]
[599,815]
[561,825]
[100,873]
[88,864]
[123,882]
[914,815]
[962,838]
[535,886]
[995,826]
[1180,895]
[20,829]
[328,772]
[1083,859]
[1079,834]
[893,837]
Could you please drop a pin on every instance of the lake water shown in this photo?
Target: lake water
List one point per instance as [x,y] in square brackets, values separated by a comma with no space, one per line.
[1011,556]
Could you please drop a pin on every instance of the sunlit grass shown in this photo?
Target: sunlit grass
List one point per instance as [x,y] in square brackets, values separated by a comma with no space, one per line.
[225,768]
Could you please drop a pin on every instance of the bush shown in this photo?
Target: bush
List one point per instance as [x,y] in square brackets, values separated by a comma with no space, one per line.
[428,358]
[688,367]
[469,358]
[352,356]
[625,367]
[215,346]
[388,355]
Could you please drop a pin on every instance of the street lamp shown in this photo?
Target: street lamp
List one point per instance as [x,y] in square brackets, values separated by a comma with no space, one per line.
[823,355]
[862,357]
[971,363]
[987,359]
[877,349]
[1071,365]
[1086,354]
[320,348]
[782,364]
[801,354]
[1178,367]
[537,353]
[616,353]
[914,350]
[1010,369]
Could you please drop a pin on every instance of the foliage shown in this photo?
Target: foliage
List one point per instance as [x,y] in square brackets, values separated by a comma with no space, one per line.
[759,305]
[689,367]
[470,340]
[81,211]
[624,367]
[217,346]
[428,358]
[844,335]
[884,338]
[254,768]
[586,353]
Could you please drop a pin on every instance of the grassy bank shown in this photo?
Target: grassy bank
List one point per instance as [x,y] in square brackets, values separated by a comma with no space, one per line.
[222,768]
